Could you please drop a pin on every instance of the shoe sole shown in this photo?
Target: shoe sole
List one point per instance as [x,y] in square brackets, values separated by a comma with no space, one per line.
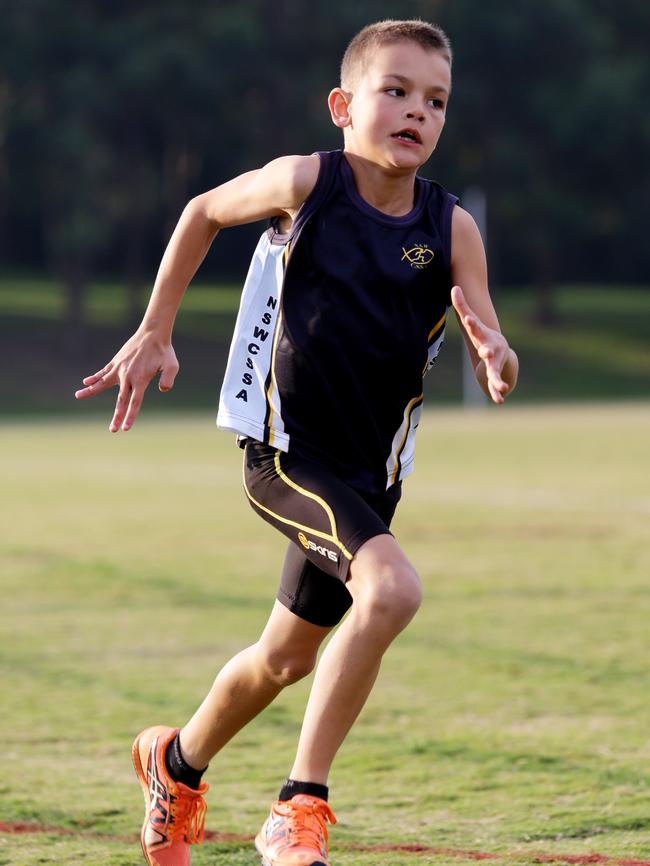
[137,766]
[260,852]
[268,863]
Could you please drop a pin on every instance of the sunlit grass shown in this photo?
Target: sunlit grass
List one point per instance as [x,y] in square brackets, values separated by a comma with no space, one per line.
[511,716]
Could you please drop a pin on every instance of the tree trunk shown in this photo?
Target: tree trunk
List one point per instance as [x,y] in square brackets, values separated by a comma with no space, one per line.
[134,274]
[5,103]
[181,167]
[73,275]
[546,312]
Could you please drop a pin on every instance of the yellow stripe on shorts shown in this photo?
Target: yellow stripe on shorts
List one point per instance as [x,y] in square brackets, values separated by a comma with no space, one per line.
[327,537]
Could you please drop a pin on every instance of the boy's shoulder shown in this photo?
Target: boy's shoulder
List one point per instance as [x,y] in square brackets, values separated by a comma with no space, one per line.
[297,174]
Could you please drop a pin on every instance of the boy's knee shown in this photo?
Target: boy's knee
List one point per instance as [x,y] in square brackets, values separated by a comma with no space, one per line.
[393,593]
[284,666]
[398,591]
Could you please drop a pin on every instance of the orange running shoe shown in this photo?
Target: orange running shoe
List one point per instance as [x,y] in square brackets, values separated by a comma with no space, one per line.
[295,833]
[174,814]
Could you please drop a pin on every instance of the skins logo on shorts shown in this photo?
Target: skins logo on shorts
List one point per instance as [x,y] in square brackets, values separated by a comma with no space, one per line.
[311,545]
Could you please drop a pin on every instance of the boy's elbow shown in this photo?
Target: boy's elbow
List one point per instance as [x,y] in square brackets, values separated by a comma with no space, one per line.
[198,209]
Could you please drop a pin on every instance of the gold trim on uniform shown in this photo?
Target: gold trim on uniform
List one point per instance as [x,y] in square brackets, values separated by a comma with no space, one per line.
[272,383]
[333,537]
[436,326]
[416,401]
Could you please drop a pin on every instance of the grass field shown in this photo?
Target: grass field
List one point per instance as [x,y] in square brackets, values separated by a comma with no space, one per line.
[510,720]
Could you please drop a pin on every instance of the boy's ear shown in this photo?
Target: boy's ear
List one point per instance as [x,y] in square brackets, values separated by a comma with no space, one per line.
[339,106]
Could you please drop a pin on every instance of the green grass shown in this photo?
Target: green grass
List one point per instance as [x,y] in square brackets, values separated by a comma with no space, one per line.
[598,349]
[510,717]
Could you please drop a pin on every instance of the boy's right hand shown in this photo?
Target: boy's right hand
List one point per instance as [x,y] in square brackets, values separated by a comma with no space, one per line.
[133,368]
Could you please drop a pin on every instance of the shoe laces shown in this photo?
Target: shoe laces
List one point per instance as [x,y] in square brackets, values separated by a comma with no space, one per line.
[306,818]
[188,816]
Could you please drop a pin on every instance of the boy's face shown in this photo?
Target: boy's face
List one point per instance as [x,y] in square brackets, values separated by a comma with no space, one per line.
[396,111]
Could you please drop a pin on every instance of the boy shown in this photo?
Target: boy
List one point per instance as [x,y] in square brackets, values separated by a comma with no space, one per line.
[343,311]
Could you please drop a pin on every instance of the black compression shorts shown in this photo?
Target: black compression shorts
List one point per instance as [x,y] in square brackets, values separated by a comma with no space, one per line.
[326,521]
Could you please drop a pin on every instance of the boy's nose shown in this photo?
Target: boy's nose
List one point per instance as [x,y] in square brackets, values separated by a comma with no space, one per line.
[417,115]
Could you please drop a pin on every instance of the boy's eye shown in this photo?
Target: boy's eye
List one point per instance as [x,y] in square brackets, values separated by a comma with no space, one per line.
[436,103]
[395,91]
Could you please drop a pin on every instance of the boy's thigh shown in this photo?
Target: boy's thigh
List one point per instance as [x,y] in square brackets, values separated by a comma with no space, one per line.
[326,519]
[311,593]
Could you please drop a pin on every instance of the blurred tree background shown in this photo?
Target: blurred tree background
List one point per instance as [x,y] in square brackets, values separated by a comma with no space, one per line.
[112,115]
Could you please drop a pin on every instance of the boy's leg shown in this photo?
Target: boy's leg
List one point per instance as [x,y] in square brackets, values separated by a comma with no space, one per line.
[347,535]
[386,592]
[167,767]
[248,683]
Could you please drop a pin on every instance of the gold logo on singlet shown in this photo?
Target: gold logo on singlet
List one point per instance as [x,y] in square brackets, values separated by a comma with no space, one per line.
[302,538]
[419,256]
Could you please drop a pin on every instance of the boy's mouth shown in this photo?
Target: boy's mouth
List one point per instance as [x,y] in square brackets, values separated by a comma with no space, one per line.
[408,135]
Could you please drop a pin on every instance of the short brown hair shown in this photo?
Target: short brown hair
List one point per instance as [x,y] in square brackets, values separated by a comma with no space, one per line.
[388,32]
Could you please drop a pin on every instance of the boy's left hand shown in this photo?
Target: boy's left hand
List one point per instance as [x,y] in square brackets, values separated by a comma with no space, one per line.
[491,345]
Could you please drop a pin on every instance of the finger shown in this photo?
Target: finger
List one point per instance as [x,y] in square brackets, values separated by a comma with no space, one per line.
[497,386]
[88,380]
[120,408]
[466,315]
[460,304]
[497,396]
[494,373]
[475,329]
[95,384]
[167,377]
[82,393]
[486,352]
[137,395]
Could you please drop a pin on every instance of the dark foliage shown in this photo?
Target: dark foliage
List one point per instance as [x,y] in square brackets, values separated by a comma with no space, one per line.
[113,114]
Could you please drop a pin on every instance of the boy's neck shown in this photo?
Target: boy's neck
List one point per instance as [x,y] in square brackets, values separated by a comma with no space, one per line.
[392,194]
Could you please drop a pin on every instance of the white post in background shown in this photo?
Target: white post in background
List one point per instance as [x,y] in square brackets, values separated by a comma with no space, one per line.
[475,203]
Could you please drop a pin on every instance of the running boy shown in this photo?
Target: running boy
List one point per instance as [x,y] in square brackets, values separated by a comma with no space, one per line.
[343,311]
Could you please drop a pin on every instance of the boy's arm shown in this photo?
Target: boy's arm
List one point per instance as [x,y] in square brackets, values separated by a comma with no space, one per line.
[277,189]
[495,364]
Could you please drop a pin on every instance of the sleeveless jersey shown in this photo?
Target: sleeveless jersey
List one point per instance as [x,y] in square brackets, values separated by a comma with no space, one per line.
[339,321]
